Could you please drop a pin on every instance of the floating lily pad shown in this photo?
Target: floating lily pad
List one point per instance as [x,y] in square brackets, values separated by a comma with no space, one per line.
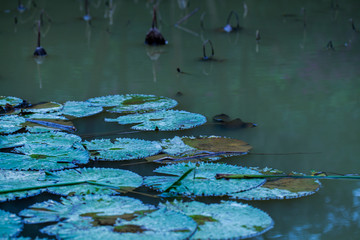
[13,101]
[122,148]
[42,157]
[51,115]
[199,179]
[10,225]
[98,181]
[19,179]
[143,103]
[11,123]
[108,101]
[281,188]
[49,139]
[99,208]
[80,109]
[94,217]
[44,107]
[48,125]
[201,148]
[105,181]
[131,103]
[225,220]
[168,120]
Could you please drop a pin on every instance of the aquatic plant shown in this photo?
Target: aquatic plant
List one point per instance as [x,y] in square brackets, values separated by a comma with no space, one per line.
[133,103]
[166,120]
[225,220]
[280,188]
[202,148]
[10,225]
[83,181]
[113,217]
[80,109]
[198,179]
[121,149]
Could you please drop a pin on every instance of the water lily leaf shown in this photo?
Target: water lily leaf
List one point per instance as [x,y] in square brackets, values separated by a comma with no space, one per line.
[167,120]
[13,101]
[143,103]
[80,109]
[44,107]
[282,188]
[10,225]
[99,209]
[11,123]
[49,139]
[50,115]
[122,148]
[107,101]
[201,181]
[98,181]
[42,157]
[225,220]
[204,147]
[94,217]
[19,179]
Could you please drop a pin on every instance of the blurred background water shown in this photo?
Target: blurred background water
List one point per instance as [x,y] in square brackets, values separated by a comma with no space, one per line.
[303,95]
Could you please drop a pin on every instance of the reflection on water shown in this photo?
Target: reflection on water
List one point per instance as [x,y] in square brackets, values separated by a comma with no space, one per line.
[303,96]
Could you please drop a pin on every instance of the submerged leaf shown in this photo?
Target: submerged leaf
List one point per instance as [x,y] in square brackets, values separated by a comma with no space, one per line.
[104,181]
[168,120]
[283,188]
[80,109]
[225,220]
[122,148]
[203,147]
[10,225]
[202,180]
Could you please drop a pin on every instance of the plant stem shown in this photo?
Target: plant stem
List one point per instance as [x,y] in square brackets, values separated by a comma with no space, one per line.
[250,176]
[179,180]
[42,186]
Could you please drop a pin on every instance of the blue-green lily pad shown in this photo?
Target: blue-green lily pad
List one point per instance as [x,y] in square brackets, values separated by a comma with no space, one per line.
[10,225]
[11,123]
[133,103]
[203,148]
[167,120]
[42,157]
[19,179]
[122,149]
[49,139]
[225,220]
[13,101]
[98,181]
[80,109]
[108,217]
[198,179]
[44,108]
[282,188]
[94,207]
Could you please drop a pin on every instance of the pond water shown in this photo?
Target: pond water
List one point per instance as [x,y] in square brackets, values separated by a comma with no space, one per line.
[303,96]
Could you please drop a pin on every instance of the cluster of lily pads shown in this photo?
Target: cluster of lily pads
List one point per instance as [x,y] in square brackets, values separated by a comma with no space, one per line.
[38,154]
